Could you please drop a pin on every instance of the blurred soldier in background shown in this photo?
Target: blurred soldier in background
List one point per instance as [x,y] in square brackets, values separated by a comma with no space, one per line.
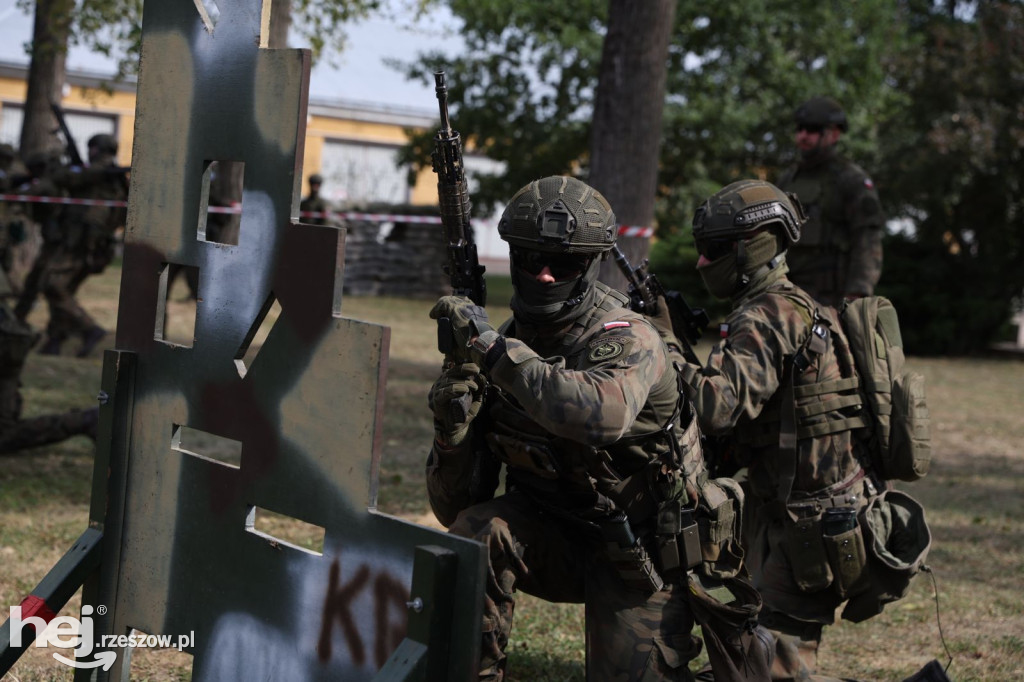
[14,225]
[577,397]
[41,166]
[16,339]
[839,254]
[314,203]
[85,245]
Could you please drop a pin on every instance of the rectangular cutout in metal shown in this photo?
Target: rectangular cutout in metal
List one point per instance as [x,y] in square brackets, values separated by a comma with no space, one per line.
[278,528]
[206,446]
[219,219]
[175,308]
[257,335]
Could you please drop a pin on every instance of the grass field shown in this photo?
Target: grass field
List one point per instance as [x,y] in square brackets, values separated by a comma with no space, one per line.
[973,497]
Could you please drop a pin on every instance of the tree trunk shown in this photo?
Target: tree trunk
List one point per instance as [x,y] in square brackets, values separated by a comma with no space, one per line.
[628,108]
[50,32]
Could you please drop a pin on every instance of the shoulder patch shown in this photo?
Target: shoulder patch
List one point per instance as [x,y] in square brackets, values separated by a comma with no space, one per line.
[604,349]
[868,183]
[617,324]
[723,330]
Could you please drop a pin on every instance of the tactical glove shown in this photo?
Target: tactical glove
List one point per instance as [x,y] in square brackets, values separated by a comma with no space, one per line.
[455,399]
[460,321]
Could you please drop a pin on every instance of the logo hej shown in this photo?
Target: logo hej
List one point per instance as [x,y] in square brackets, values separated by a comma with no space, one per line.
[63,632]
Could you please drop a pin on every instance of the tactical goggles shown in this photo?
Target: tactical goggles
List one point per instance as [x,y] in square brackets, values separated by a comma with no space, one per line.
[563,266]
[810,128]
[713,249]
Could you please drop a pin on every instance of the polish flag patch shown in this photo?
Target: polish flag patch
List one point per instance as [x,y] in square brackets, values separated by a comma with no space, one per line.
[868,183]
[723,331]
[617,324]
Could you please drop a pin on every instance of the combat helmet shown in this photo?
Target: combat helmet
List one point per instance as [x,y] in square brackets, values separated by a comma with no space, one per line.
[745,208]
[316,179]
[821,112]
[559,214]
[565,225]
[103,143]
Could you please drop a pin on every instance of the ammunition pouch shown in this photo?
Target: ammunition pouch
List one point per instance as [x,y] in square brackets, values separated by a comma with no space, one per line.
[720,517]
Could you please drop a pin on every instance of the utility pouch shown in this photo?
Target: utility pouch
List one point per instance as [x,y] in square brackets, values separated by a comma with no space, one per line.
[844,543]
[805,549]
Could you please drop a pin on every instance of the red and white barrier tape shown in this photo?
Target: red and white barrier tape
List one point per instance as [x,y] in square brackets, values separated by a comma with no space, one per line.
[624,230]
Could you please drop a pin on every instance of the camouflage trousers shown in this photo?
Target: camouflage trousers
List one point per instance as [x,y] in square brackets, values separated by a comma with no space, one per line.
[630,635]
[20,434]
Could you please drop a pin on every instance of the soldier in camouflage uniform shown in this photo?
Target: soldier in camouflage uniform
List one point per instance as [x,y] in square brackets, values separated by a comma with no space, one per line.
[840,251]
[313,202]
[16,434]
[86,245]
[778,389]
[575,395]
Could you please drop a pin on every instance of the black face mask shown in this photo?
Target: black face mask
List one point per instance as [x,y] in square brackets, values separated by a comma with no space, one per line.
[553,303]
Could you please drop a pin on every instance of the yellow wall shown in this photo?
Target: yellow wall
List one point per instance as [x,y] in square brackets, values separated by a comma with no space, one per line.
[318,128]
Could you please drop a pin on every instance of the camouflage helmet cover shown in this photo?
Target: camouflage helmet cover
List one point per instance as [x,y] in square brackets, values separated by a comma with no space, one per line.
[739,210]
[104,143]
[821,111]
[316,179]
[559,214]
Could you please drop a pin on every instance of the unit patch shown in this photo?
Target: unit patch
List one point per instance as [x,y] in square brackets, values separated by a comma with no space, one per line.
[604,349]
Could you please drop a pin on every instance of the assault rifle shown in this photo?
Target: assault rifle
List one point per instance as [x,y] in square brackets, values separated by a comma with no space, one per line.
[462,266]
[644,290]
[72,149]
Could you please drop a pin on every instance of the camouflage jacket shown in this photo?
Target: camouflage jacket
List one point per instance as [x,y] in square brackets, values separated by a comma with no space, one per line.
[840,247]
[738,396]
[576,418]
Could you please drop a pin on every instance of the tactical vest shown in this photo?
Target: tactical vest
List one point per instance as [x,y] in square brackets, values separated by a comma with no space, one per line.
[817,262]
[805,431]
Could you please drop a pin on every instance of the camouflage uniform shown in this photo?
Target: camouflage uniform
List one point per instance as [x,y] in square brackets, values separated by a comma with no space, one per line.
[741,395]
[86,248]
[840,247]
[591,428]
[19,434]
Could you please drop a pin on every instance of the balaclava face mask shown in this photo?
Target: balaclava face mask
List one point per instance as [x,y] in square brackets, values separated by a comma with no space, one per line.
[726,276]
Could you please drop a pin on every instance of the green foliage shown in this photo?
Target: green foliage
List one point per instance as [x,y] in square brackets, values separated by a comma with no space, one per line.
[953,163]
[522,90]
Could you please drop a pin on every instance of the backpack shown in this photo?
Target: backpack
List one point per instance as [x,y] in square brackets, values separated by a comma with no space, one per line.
[897,433]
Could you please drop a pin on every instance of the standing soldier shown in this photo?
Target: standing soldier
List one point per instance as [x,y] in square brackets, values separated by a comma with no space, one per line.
[840,251]
[42,166]
[576,396]
[86,244]
[781,391]
[314,203]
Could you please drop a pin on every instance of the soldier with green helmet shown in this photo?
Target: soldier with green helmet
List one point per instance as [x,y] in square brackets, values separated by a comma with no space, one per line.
[840,253]
[779,389]
[576,398]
